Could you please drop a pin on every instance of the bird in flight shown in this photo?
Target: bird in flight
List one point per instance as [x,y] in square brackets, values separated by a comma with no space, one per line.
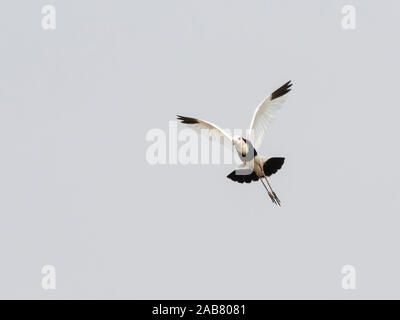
[253,167]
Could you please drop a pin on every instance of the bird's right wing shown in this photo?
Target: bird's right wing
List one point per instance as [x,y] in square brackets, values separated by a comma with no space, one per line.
[266,112]
[209,128]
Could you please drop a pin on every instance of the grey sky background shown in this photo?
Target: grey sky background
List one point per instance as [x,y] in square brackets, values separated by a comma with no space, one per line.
[77,192]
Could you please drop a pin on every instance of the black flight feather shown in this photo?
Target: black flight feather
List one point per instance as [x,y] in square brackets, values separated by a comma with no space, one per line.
[281,91]
[238,176]
[272,165]
[187,120]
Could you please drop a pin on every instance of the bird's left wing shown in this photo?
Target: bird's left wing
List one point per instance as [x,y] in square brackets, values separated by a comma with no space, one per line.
[243,174]
[266,112]
[208,128]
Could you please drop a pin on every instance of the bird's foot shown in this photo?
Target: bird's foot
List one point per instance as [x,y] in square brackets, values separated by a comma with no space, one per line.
[272,197]
[276,198]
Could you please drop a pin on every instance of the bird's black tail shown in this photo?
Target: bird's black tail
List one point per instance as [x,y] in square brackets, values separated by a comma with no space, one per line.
[272,165]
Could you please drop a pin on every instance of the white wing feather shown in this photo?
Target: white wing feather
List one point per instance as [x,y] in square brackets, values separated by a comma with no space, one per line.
[265,113]
[209,128]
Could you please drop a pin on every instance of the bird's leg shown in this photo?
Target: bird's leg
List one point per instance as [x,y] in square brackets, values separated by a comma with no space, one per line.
[273,193]
[262,170]
[273,198]
[269,193]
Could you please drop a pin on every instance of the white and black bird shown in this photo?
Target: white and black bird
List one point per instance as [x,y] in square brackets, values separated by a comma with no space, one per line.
[254,167]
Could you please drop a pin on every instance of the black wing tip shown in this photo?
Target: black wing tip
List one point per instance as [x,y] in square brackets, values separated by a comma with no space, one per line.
[272,165]
[241,178]
[187,120]
[282,90]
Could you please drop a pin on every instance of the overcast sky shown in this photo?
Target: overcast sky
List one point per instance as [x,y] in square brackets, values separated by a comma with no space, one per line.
[77,192]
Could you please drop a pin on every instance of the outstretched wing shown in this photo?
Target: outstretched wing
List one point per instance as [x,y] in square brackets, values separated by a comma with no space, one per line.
[209,128]
[265,113]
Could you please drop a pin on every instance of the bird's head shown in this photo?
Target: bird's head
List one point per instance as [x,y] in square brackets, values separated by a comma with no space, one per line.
[239,143]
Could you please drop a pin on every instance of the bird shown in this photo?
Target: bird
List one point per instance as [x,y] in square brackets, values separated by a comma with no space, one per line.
[253,166]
